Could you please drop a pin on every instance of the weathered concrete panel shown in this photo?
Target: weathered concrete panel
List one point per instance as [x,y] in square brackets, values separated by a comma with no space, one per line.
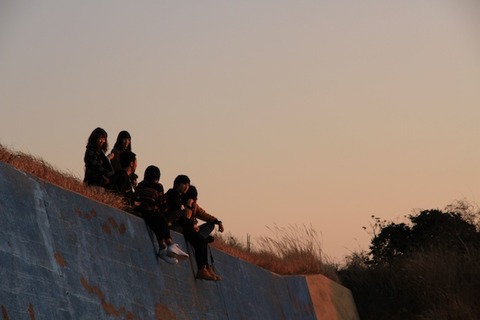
[63,256]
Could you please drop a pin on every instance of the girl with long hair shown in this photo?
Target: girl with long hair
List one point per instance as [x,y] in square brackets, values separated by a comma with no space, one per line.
[98,169]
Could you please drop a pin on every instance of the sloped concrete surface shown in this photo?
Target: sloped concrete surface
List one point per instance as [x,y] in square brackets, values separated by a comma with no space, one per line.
[64,256]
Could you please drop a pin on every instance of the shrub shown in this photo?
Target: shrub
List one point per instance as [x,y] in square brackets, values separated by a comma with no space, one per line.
[424,270]
[428,229]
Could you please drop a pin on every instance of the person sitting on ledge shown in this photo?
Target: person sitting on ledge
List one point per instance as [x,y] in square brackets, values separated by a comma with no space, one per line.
[152,207]
[175,207]
[123,143]
[199,236]
[120,182]
[98,169]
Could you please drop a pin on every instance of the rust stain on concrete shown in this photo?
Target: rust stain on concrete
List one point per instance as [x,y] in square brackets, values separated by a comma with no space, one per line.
[122,229]
[106,228]
[86,285]
[31,312]
[4,313]
[163,313]
[113,224]
[78,212]
[87,216]
[128,315]
[108,307]
[60,260]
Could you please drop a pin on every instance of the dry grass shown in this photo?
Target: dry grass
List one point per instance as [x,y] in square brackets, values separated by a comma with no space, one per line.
[45,171]
[291,251]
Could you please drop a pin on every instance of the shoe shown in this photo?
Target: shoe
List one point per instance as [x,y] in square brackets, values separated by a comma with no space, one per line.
[210,270]
[174,251]
[205,275]
[164,256]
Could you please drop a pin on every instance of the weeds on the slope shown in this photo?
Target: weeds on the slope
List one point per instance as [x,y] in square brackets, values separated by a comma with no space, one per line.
[45,171]
[289,251]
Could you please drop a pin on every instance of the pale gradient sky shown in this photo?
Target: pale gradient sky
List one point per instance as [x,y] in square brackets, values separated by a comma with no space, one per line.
[281,112]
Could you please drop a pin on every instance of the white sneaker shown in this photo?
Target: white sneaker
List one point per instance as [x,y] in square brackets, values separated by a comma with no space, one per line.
[174,251]
[164,256]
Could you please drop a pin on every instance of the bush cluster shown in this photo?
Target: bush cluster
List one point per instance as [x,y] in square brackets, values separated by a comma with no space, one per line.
[424,269]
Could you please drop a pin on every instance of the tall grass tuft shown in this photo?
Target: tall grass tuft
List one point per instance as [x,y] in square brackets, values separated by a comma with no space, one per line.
[290,250]
[45,171]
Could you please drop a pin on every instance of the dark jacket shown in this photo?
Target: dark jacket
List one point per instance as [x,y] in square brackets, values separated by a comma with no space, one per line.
[175,208]
[151,197]
[122,184]
[98,169]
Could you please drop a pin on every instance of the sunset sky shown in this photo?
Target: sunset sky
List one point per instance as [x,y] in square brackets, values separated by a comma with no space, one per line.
[318,113]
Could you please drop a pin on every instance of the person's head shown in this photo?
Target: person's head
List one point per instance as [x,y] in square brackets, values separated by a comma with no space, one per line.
[181,183]
[98,140]
[152,174]
[124,141]
[191,193]
[128,161]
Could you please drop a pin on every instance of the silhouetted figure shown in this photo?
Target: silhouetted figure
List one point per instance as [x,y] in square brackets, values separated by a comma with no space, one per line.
[121,182]
[123,143]
[152,208]
[98,169]
[199,235]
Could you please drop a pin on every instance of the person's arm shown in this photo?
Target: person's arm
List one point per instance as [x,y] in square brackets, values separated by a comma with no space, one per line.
[203,215]
[161,198]
[220,226]
[190,209]
[175,208]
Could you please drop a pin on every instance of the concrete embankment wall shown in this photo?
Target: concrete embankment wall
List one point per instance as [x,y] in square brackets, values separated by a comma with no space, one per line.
[64,256]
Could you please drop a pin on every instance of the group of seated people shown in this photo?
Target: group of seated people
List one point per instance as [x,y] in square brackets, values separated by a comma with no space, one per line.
[176,209]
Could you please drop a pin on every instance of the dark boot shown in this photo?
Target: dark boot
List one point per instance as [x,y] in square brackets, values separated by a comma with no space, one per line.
[210,270]
[205,275]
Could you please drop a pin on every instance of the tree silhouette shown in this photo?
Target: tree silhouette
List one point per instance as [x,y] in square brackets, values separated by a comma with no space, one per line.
[428,229]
